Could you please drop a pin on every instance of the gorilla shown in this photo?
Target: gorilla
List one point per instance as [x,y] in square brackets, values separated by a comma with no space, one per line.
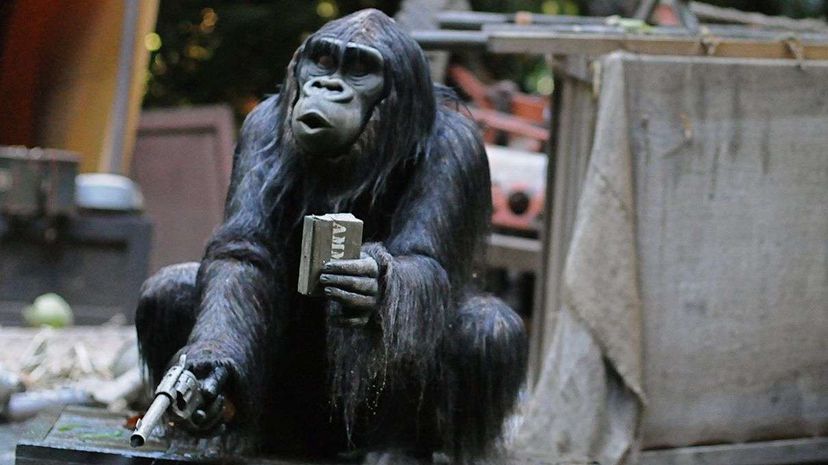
[401,354]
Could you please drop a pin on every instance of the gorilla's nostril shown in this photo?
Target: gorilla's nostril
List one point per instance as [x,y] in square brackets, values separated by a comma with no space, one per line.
[332,86]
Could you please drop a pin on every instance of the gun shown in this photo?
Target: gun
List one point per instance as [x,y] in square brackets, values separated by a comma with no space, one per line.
[179,391]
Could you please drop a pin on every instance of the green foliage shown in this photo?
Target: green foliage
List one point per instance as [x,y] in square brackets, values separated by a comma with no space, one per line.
[232,51]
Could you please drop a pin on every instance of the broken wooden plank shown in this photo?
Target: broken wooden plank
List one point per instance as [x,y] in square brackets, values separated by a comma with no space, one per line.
[556,43]
[707,12]
[474,20]
[708,31]
[597,39]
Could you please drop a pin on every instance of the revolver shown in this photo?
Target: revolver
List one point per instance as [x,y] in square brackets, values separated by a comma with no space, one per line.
[179,392]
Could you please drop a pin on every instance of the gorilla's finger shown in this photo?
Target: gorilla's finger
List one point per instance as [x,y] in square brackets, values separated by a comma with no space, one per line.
[347,318]
[367,286]
[351,322]
[212,385]
[350,299]
[357,267]
[206,416]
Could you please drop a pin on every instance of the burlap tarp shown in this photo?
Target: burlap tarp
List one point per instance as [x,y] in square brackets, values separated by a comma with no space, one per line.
[695,290]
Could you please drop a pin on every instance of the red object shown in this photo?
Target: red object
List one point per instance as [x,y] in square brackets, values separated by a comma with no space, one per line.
[664,15]
[504,216]
[476,90]
[526,112]
[514,125]
[518,188]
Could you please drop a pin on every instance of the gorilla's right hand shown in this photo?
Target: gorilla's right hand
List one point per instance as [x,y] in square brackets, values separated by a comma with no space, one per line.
[212,376]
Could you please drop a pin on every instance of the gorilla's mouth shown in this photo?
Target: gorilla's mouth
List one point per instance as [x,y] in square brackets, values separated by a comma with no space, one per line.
[314,120]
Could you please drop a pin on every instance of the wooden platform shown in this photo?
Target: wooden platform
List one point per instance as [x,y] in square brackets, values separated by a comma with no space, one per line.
[91,436]
[783,452]
[88,436]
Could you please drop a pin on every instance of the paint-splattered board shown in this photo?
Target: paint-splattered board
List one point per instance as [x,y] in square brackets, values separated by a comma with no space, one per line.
[88,436]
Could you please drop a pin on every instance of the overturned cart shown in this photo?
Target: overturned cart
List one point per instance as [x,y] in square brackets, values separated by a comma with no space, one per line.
[684,310]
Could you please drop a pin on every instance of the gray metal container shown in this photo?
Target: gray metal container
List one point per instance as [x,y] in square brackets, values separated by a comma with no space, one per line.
[37,182]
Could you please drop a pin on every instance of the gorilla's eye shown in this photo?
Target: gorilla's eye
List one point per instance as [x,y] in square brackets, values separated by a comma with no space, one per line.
[325,61]
[359,68]
[360,61]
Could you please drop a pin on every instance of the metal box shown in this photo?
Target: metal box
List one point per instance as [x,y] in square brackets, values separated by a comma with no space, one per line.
[37,182]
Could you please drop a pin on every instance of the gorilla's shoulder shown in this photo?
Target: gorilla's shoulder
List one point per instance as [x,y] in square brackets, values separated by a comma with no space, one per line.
[260,125]
[455,137]
[264,112]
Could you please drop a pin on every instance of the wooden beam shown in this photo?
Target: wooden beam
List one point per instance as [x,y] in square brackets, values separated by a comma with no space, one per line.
[514,253]
[686,17]
[449,40]
[645,9]
[709,32]
[707,12]
[558,43]
[474,20]
[809,450]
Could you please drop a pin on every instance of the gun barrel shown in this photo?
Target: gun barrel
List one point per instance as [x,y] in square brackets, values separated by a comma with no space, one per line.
[150,420]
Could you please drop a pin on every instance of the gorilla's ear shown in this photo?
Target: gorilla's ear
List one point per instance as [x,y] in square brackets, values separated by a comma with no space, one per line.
[289,88]
[294,61]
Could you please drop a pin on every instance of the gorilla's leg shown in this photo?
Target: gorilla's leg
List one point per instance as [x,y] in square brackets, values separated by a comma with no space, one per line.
[488,354]
[165,316]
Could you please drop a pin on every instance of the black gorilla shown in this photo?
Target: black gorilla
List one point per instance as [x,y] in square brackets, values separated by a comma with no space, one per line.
[359,127]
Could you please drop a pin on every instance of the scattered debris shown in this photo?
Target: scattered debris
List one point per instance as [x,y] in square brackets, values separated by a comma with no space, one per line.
[117,394]
[629,25]
[10,383]
[49,310]
[78,366]
[24,405]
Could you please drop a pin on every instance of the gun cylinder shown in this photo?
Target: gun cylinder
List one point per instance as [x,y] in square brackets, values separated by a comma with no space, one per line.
[150,420]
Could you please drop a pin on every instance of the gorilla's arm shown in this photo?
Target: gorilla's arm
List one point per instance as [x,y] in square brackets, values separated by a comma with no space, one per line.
[239,275]
[436,232]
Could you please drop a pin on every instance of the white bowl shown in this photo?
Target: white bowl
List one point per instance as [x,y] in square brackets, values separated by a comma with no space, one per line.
[103,191]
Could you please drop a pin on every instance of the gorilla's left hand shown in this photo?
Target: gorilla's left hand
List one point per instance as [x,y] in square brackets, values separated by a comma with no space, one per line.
[355,285]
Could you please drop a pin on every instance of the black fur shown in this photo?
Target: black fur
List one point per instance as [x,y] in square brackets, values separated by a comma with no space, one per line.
[439,367]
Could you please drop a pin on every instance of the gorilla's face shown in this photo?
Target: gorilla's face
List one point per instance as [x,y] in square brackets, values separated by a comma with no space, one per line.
[339,86]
